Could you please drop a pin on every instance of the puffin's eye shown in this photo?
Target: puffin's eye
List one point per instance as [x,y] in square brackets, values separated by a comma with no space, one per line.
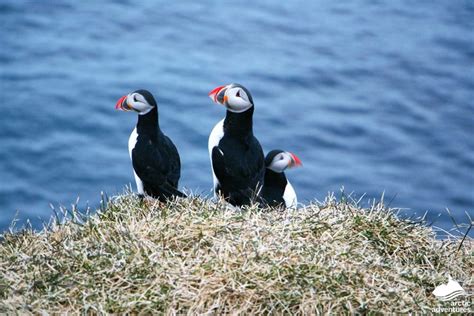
[238,94]
[281,157]
[135,98]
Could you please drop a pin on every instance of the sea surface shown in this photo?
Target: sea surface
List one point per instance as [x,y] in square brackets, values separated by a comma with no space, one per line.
[375,97]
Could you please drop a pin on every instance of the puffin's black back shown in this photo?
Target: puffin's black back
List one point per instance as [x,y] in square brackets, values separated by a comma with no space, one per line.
[155,158]
[238,160]
[241,174]
[274,188]
[157,164]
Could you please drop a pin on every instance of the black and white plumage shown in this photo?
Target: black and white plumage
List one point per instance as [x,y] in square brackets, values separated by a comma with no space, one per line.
[155,159]
[277,190]
[237,160]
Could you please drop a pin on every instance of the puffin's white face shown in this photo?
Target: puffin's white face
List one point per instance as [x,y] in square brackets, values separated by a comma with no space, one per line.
[283,160]
[234,97]
[140,101]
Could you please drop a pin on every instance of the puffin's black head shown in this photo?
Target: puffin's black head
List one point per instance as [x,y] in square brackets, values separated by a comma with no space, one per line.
[141,101]
[235,97]
[278,160]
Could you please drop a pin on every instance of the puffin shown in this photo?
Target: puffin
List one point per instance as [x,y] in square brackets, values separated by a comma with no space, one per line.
[277,191]
[155,159]
[237,160]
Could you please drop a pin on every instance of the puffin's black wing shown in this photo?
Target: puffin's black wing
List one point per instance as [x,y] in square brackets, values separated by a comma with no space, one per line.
[257,171]
[239,170]
[274,188]
[174,161]
[218,163]
[157,169]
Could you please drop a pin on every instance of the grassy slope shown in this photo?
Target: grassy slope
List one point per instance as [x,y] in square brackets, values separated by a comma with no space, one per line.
[194,256]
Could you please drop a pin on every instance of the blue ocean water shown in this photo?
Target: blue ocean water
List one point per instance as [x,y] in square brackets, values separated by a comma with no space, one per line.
[374,96]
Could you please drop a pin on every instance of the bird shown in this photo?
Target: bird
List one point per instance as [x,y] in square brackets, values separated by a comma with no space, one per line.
[277,190]
[237,159]
[155,159]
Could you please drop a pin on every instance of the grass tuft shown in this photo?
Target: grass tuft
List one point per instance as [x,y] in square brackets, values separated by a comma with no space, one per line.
[194,256]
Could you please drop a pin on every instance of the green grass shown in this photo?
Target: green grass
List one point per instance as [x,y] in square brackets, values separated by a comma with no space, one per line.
[194,256]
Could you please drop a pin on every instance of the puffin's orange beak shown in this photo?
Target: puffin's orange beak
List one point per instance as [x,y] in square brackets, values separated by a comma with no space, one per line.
[295,161]
[122,104]
[215,93]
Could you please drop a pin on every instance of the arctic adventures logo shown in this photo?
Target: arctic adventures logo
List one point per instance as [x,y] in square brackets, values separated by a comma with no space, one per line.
[449,292]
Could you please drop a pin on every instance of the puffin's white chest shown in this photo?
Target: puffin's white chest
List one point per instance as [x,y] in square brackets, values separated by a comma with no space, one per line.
[289,196]
[132,141]
[214,139]
[216,135]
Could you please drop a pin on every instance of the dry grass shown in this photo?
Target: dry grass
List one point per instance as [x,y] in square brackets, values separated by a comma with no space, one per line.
[194,256]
